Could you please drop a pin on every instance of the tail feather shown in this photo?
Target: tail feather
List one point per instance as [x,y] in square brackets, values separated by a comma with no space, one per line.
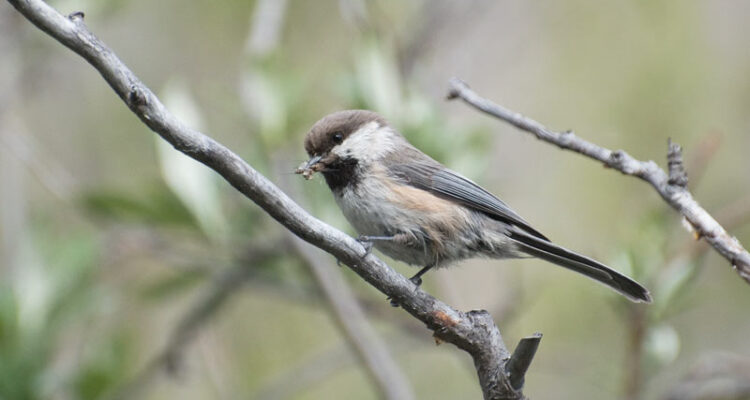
[553,253]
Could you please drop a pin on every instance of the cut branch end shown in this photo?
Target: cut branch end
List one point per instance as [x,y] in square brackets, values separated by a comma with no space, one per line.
[521,359]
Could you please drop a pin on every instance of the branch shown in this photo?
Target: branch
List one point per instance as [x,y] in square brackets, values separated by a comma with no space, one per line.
[474,331]
[521,359]
[672,187]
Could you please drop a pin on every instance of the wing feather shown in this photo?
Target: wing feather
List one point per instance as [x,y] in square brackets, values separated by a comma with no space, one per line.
[433,177]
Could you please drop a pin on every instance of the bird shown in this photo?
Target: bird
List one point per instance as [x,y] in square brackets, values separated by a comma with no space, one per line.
[413,209]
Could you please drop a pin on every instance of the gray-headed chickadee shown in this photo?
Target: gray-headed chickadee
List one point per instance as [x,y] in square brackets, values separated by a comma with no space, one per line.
[413,209]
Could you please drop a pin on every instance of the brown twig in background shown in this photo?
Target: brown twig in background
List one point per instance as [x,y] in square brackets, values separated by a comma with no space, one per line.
[637,326]
[474,332]
[701,154]
[672,187]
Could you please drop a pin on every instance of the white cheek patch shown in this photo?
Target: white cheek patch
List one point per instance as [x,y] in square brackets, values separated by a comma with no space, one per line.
[369,142]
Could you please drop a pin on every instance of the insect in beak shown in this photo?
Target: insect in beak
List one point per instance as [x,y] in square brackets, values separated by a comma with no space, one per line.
[307,169]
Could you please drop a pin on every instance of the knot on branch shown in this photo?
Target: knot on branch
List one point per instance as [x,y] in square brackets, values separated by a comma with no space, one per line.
[677,174]
[454,90]
[616,160]
[76,16]
[136,97]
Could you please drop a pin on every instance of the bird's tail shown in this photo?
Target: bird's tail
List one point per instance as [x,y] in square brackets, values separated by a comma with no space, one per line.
[546,250]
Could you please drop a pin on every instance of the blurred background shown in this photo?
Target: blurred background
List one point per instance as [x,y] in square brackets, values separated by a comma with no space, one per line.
[130,271]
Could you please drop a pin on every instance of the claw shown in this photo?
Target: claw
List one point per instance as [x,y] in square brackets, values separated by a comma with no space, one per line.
[416,280]
[366,243]
[393,302]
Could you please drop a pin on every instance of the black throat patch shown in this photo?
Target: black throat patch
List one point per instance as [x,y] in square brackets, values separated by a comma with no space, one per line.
[345,172]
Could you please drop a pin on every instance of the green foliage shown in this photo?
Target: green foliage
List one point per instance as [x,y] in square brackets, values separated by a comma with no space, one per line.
[36,318]
[104,369]
[174,284]
[159,206]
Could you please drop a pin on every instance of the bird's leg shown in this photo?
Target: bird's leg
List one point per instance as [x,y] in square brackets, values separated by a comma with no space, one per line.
[400,238]
[417,278]
[367,241]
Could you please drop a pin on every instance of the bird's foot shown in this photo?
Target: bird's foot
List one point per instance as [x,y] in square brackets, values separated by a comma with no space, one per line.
[366,242]
[393,302]
[416,280]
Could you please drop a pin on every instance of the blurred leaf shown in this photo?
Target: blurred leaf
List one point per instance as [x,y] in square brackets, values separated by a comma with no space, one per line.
[193,183]
[378,79]
[21,357]
[8,319]
[173,284]
[158,207]
[663,344]
[33,287]
[72,264]
[105,370]
[27,348]
[673,284]
[264,101]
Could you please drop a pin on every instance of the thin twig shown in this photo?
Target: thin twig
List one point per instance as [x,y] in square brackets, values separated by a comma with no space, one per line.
[701,155]
[735,214]
[672,187]
[637,321]
[474,331]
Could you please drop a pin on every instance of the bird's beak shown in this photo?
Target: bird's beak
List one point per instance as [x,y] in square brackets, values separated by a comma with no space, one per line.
[310,167]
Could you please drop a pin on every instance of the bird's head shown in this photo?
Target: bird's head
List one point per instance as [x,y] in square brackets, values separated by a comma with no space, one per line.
[346,139]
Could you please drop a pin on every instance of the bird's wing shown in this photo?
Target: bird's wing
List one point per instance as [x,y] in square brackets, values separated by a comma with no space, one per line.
[442,182]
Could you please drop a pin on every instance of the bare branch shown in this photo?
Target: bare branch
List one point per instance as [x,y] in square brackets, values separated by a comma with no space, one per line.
[474,332]
[672,187]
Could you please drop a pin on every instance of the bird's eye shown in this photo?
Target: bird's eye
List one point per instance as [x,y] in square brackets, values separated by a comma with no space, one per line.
[338,137]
